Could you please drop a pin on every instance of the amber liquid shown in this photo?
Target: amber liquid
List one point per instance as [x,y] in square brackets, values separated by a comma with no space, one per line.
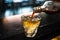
[56,38]
[31,25]
[33,14]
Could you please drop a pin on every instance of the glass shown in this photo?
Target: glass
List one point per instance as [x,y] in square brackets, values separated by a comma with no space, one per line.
[31,25]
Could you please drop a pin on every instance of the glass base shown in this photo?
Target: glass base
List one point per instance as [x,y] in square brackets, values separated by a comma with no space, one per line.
[29,35]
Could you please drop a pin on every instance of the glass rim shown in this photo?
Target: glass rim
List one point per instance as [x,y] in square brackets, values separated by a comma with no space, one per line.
[38,16]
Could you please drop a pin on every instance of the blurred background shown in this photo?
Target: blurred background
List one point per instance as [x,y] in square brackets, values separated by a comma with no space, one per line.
[14,7]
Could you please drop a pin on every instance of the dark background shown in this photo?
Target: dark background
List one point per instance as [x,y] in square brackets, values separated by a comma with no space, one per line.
[50,23]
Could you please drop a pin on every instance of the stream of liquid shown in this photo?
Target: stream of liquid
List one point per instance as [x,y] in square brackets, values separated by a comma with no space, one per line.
[33,14]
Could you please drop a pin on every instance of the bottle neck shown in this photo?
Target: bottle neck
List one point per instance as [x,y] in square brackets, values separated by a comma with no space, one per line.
[39,9]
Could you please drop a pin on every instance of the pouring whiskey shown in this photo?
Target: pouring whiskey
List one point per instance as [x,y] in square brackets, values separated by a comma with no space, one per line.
[30,24]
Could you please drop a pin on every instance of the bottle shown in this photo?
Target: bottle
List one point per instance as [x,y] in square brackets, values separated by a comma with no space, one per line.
[48,7]
[46,10]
